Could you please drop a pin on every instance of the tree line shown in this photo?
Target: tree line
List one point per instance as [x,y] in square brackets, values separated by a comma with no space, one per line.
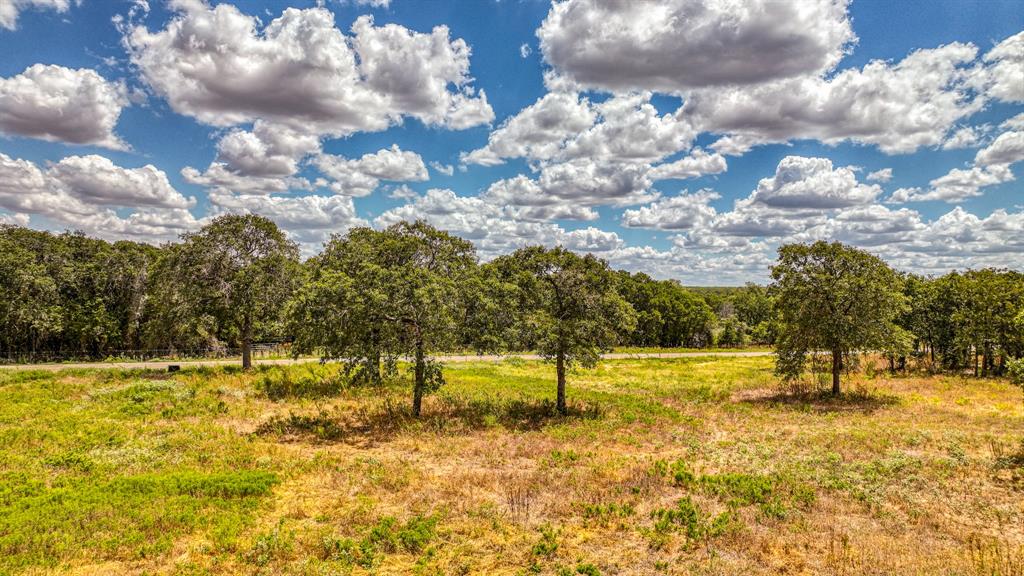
[373,298]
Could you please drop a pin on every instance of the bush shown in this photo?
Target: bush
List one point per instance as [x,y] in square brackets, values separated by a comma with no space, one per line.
[1015,370]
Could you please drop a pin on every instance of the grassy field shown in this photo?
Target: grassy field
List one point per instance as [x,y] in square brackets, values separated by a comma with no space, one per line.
[693,466]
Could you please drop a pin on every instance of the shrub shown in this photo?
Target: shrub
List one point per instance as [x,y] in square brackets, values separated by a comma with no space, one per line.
[1015,370]
[548,543]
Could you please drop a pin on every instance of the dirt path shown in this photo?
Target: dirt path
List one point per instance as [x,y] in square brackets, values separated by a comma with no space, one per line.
[162,365]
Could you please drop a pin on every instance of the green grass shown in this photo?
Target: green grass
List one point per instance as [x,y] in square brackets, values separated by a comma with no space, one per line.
[662,466]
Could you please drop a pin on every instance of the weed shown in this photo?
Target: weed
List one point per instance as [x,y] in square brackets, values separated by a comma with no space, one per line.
[321,426]
[303,381]
[547,546]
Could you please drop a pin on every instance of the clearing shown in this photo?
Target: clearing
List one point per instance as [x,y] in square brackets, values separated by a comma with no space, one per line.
[665,466]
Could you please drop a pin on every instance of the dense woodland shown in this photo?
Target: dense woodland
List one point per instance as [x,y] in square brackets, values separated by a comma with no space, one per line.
[412,290]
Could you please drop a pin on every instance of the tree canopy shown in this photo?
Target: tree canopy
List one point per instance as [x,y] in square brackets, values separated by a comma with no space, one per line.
[836,299]
[374,296]
[231,280]
[569,308]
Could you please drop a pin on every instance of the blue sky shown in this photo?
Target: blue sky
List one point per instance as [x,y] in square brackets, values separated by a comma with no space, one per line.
[682,140]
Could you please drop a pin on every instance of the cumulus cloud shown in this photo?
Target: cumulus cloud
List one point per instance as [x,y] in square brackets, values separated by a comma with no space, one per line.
[62,104]
[360,177]
[310,220]
[222,67]
[991,167]
[538,131]
[10,9]
[564,126]
[698,163]
[682,212]
[1003,76]
[899,107]
[812,183]
[97,180]
[446,169]
[684,44]
[493,228]
[883,175]
[962,138]
[82,192]
[529,201]
[14,219]
[219,178]
[267,150]
[1007,148]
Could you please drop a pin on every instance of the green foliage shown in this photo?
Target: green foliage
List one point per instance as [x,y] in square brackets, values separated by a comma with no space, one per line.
[227,282]
[374,296]
[128,517]
[569,309]
[836,299]
[973,319]
[547,546]
[668,315]
[389,535]
[1015,371]
[70,295]
[308,381]
[688,518]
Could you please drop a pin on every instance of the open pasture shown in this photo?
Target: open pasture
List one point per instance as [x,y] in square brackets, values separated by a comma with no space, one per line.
[662,466]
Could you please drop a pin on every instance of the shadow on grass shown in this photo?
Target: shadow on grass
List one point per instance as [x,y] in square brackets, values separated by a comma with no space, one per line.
[445,415]
[861,401]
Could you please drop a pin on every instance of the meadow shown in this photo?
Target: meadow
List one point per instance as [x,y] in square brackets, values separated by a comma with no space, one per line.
[662,466]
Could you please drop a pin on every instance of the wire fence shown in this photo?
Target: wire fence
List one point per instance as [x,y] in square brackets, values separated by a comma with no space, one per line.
[260,350]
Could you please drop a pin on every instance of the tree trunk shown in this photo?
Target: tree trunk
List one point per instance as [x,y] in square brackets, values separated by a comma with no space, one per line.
[837,369]
[246,347]
[560,370]
[418,385]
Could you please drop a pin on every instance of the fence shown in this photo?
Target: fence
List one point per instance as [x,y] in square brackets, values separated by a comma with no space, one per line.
[260,350]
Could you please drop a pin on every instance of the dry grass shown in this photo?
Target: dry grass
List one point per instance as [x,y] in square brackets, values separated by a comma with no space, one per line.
[695,466]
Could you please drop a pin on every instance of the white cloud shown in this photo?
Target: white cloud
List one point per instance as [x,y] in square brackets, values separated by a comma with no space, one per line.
[682,212]
[962,138]
[374,3]
[80,193]
[883,175]
[360,177]
[698,163]
[1004,71]
[957,185]
[494,229]
[446,169]
[564,126]
[530,202]
[538,131]
[309,220]
[1007,148]
[991,167]
[268,150]
[221,67]
[683,44]
[14,219]
[10,9]
[219,178]
[897,106]
[96,180]
[812,183]
[61,104]
[525,50]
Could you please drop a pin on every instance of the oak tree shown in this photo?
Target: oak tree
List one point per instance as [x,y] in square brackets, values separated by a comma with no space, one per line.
[569,309]
[836,299]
